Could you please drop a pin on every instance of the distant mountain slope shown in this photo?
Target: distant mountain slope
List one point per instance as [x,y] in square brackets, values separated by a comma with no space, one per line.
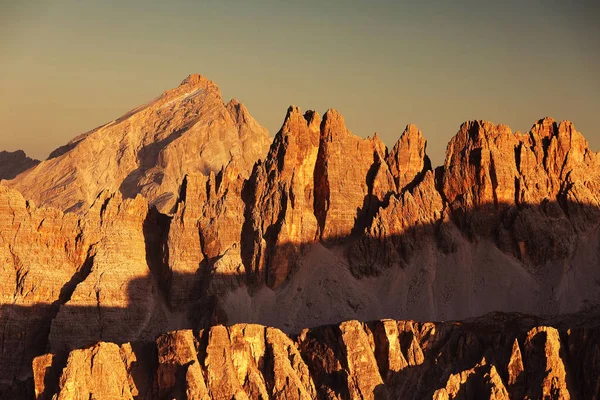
[15,162]
[149,150]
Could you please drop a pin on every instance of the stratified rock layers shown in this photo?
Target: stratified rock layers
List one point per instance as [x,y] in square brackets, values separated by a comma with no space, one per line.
[328,227]
[498,356]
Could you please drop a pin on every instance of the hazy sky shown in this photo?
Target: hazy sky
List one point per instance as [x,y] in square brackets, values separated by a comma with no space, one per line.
[67,66]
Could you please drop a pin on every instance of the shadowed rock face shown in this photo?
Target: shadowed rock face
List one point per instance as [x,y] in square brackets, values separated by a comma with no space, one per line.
[14,163]
[328,227]
[498,356]
[149,150]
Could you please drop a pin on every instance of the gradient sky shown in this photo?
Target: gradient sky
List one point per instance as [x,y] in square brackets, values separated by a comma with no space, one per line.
[68,66]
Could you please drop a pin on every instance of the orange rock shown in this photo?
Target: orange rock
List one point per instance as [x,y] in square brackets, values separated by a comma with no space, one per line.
[446,360]
[188,129]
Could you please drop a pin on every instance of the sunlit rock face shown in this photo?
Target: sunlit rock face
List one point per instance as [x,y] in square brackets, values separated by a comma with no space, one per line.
[279,200]
[149,150]
[489,171]
[405,241]
[322,227]
[498,356]
[408,160]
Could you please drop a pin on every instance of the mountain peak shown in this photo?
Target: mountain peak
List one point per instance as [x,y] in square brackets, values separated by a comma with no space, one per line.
[412,131]
[334,125]
[546,121]
[193,87]
[197,80]
[185,130]
[408,160]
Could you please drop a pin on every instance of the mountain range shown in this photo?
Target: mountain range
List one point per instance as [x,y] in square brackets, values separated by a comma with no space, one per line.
[179,251]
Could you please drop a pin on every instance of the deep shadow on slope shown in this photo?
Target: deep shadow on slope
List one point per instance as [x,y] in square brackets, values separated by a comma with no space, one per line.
[562,232]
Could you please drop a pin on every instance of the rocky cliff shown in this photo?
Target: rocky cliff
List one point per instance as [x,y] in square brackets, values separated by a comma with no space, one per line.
[498,356]
[14,163]
[149,150]
[327,227]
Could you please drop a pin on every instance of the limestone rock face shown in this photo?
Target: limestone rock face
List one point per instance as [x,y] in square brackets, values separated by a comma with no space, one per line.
[363,373]
[504,184]
[476,359]
[479,174]
[241,362]
[204,249]
[279,197]
[478,168]
[408,161]
[184,248]
[177,354]
[545,364]
[328,227]
[344,177]
[42,254]
[149,150]
[97,372]
[15,162]
[71,281]
[489,165]
[318,182]
[397,230]
[118,285]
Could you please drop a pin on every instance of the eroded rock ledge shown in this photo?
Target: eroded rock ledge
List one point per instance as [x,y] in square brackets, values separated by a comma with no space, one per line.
[498,356]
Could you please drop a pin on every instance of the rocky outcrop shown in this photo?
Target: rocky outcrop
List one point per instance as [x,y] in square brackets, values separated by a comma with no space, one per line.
[118,285]
[475,359]
[184,248]
[280,199]
[347,171]
[14,163]
[43,255]
[242,361]
[318,182]
[408,161]
[71,281]
[514,186]
[203,248]
[398,229]
[149,150]
[328,227]
[98,370]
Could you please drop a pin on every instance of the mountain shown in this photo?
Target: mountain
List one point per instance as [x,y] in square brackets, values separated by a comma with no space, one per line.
[326,227]
[497,356]
[14,163]
[149,150]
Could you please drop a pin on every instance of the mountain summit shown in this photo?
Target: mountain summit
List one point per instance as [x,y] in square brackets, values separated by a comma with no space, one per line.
[325,227]
[188,129]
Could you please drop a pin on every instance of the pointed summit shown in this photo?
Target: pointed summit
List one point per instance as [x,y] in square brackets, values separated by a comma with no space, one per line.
[408,161]
[150,149]
[334,125]
[197,80]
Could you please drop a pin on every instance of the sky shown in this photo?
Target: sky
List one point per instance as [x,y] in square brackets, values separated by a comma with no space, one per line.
[67,66]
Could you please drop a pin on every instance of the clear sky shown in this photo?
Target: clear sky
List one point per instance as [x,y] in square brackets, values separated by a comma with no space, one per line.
[67,66]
